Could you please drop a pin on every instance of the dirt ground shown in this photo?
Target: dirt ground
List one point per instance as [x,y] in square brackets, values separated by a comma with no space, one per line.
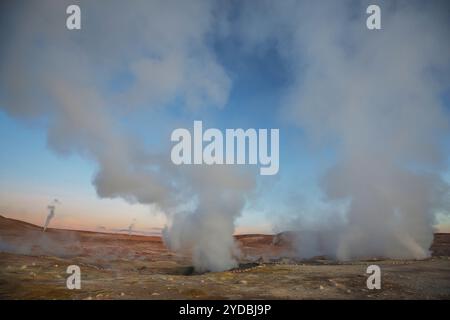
[33,265]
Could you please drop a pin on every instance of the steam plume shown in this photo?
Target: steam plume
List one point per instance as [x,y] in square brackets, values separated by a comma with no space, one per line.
[375,97]
[51,213]
[49,73]
[131,227]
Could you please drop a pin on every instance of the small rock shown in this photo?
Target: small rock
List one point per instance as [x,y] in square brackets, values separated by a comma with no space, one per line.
[23,267]
[321,287]
[155,294]
[243,282]
[122,294]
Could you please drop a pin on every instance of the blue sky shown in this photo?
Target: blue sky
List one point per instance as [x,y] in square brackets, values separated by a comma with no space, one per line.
[243,68]
[29,166]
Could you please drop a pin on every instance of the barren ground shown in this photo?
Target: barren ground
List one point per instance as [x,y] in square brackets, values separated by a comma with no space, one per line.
[116,266]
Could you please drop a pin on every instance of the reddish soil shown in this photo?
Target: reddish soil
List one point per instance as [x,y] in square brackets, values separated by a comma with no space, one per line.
[117,266]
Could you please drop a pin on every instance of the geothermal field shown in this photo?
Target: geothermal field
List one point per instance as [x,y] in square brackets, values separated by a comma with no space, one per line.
[33,265]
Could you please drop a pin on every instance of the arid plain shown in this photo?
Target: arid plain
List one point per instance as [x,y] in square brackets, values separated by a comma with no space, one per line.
[33,265]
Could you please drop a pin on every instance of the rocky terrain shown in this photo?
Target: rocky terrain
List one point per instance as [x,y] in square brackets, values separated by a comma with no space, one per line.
[33,265]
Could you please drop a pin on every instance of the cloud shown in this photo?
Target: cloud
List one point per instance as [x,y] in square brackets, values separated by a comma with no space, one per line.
[65,77]
[374,97]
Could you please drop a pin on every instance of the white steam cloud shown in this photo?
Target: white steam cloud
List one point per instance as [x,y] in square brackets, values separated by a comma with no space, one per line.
[63,77]
[375,97]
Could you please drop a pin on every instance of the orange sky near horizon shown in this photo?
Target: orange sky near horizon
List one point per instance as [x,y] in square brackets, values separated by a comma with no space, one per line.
[109,215]
[94,214]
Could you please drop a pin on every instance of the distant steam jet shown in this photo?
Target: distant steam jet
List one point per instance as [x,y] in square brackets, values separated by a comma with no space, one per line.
[51,212]
[130,228]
